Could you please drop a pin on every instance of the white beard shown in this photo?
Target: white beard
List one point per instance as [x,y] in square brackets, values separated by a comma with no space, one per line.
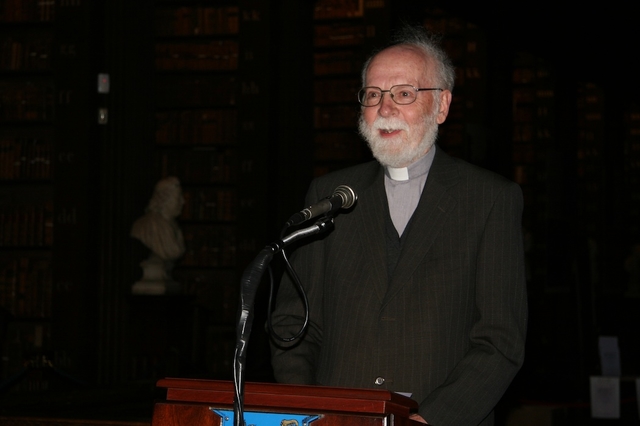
[399,151]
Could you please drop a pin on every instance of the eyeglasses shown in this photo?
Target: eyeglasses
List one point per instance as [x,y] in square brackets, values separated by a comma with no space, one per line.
[402,94]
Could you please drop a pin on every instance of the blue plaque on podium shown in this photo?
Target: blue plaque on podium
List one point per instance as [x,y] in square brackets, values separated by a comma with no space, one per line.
[253,418]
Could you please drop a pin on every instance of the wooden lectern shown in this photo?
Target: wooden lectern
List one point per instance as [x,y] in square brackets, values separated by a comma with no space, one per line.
[209,402]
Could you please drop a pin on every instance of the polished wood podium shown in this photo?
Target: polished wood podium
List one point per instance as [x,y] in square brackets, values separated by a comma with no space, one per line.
[203,402]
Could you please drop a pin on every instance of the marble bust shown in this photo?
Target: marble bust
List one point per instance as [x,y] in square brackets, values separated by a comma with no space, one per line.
[158,230]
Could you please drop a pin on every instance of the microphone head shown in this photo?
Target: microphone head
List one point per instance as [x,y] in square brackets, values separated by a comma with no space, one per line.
[348,196]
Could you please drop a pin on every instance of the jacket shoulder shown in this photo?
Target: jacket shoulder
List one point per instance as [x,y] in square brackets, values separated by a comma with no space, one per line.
[453,168]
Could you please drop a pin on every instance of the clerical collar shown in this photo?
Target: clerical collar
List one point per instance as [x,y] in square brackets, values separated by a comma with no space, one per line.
[419,168]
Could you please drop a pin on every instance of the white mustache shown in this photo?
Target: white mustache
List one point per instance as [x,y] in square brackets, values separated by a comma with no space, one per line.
[383,123]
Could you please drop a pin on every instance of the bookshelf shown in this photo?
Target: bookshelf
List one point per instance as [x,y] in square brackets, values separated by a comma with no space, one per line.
[631,168]
[343,34]
[591,158]
[45,202]
[27,87]
[75,190]
[211,132]
[464,133]
[533,136]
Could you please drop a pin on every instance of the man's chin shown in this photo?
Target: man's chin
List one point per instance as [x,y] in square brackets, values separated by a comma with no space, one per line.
[390,159]
[399,157]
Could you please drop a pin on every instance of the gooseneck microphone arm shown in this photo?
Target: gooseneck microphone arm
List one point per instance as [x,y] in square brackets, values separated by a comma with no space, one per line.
[343,197]
[248,288]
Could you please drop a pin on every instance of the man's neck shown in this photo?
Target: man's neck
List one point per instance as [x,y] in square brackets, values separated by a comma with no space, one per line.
[415,169]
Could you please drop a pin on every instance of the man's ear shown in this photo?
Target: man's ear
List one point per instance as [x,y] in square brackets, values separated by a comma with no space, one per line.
[445,102]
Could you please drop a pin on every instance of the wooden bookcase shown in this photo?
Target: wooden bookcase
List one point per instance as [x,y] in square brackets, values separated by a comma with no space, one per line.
[533,137]
[631,168]
[211,88]
[27,84]
[344,34]
[44,202]
[464,134]
[591,158]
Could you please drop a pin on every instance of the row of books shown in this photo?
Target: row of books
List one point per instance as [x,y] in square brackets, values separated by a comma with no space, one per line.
[590,139]
[26,101]
[195,21]
[25,158]
[464,53]
[524,75]
[339,34]
[27,10]
[439,22]
[189,92]
[26,286]
[527,132]
[530,94]
[31,53]
[529,70]
[199,165]
[199,127]
[209,204]
[529,113]
[336,9]
[26,226]
[209,246]
[213,55]
[35,380]
[339,62]
[24,346]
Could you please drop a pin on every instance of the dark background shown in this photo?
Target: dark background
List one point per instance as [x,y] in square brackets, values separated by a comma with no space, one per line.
[103,339]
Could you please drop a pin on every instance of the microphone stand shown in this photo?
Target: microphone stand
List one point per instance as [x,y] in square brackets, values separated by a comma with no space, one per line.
[249,283]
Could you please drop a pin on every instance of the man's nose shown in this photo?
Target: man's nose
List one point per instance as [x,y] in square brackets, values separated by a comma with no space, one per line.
[387,107]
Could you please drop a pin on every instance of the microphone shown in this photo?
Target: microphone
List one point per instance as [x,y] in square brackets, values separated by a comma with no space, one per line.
[343,197]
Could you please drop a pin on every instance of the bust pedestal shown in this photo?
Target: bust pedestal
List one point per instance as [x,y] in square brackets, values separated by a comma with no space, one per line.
[156,278]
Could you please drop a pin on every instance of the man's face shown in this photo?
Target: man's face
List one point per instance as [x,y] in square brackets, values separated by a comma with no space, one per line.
[398,135]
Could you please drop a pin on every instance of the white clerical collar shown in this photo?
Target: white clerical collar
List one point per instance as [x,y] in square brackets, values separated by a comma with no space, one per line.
[401,173]
[416,169]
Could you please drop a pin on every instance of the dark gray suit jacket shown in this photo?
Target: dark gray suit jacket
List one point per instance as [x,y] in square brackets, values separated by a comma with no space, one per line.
[448,326]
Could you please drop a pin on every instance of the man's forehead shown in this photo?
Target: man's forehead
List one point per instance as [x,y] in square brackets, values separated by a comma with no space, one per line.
[402,64]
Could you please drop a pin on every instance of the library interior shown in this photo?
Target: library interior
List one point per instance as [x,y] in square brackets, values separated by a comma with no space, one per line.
[244,102]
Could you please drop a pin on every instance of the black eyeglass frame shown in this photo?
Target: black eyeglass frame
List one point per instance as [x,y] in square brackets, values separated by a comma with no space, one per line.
[382,92]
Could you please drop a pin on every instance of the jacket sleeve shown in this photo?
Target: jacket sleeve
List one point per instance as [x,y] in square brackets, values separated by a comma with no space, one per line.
[497,337]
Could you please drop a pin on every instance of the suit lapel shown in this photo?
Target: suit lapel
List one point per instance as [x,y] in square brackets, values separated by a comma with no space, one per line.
[426,223]
[373,209]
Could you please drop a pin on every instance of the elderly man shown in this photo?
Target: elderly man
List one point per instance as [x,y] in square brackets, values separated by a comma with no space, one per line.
[420,288]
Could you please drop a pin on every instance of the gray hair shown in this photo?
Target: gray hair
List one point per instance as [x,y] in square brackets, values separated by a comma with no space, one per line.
[429,44]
